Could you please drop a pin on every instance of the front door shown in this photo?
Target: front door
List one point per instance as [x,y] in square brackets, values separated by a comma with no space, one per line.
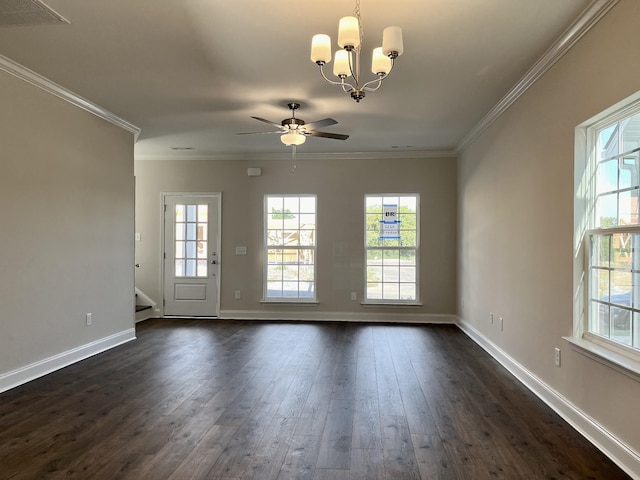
[191,256]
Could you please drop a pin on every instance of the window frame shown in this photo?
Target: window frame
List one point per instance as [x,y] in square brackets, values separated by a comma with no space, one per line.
[585,340]
[416,249]
[265,277]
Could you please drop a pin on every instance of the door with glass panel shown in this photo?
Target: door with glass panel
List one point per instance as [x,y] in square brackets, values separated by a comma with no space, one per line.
[191,256]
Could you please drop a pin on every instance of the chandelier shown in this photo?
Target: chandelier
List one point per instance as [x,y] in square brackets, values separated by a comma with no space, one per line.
[347,59]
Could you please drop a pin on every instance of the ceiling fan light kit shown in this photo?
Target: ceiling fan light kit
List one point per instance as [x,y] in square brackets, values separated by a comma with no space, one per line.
[347,60]
[292,138]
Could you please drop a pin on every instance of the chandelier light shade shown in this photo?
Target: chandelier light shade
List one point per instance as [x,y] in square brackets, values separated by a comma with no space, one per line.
[347,60]
[380,64]
[321,48]
[349,33]
[341,64]
[392,42]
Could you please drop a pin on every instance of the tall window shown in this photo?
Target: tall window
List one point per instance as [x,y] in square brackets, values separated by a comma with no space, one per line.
[391,248]
[613,238]
[290,240]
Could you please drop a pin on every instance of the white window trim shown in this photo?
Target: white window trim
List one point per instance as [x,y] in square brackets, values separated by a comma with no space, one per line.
[614,355]
[394,303]
[284,300]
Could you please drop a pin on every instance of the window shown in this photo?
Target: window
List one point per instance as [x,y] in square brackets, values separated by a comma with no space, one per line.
[612,238]
[290,240]
[391,248]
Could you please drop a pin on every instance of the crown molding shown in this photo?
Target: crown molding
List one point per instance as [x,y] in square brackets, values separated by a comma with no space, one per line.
[23,73]
[286,155]
[589,17]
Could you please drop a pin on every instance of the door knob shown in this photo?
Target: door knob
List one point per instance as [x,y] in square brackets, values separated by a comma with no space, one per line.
[213,262]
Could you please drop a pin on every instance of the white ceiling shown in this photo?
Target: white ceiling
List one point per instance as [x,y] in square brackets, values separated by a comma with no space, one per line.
[191,73]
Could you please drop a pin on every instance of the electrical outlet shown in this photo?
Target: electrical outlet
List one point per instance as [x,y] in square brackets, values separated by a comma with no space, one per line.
[556,356]
[354,296]
[88,319]
[237,294]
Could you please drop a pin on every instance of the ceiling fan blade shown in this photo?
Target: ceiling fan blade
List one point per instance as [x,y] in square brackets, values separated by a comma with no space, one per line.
[257,133]
[325,122]
[336,136]
[268,121]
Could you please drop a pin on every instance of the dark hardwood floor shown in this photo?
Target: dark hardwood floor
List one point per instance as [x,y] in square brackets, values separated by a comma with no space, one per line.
[248,400]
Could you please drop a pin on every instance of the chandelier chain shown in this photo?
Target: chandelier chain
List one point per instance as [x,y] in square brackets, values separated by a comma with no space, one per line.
[356,13]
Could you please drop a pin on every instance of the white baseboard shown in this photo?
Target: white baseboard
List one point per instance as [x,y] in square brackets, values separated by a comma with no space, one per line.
[43,367]
[625,457]
[310,316]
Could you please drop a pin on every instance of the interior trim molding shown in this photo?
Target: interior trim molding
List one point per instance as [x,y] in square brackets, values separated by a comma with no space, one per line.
[286,155]
[589,17]
[23,73]
[620,453]
[43,367]
[314,316]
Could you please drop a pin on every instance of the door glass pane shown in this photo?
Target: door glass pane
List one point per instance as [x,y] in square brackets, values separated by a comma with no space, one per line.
[179,231]
[191,231]
[180,249]
[179,268]
[191,224]
[203,213]
[202,268]
[191,249]
[191,213]
[180,213]
[191,268]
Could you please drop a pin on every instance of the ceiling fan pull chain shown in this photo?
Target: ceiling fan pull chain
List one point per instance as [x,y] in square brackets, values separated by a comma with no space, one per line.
[293,160]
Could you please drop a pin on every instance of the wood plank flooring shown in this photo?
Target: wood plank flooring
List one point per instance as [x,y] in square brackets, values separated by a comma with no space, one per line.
[214,399]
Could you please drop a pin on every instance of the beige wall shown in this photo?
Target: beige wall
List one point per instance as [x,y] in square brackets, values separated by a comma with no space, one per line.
[340,186]
[516,222]
[66,223]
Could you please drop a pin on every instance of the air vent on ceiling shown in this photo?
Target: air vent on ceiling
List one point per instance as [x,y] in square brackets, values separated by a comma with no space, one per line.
[28,12]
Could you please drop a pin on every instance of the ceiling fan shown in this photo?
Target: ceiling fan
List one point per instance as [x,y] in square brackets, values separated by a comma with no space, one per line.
[293,131]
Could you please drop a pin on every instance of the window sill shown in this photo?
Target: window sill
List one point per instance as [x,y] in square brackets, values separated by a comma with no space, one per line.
[374,303]
[293,301]
[617,361]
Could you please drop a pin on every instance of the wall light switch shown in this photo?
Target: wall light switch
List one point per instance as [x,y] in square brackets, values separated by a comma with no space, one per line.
[241,250]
